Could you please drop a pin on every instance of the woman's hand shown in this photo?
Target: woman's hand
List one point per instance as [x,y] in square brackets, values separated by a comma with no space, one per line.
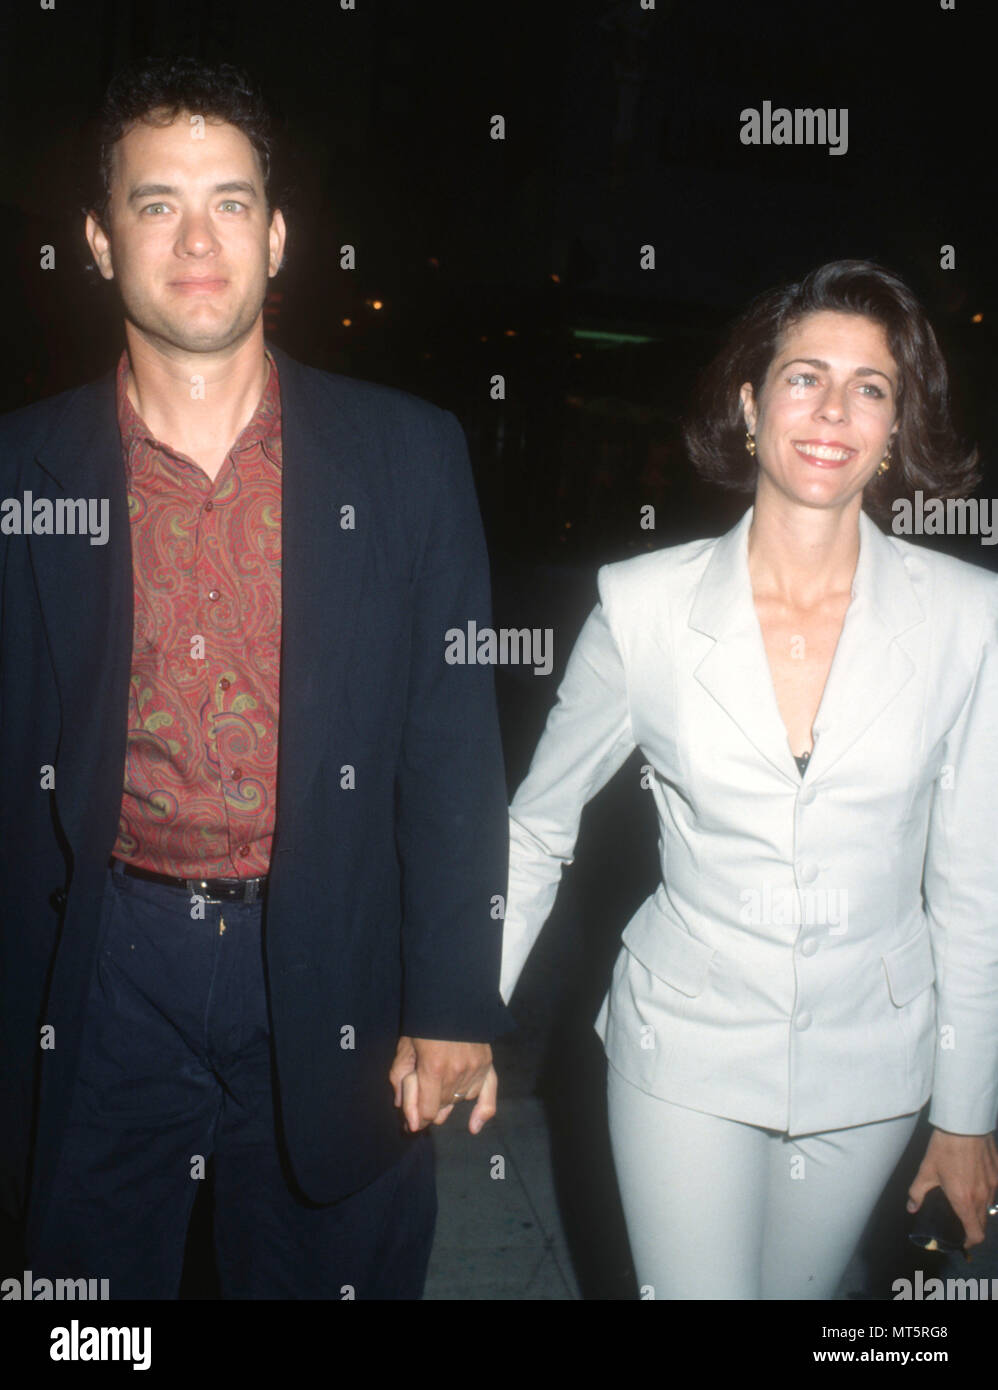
[429,1076]
[965,1166]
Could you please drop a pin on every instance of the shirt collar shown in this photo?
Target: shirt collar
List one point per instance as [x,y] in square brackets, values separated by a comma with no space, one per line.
[264,428]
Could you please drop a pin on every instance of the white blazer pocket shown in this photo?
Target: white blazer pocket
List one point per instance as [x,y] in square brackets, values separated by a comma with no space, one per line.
[911,972]
[910,968]
[658,974]
[669,952]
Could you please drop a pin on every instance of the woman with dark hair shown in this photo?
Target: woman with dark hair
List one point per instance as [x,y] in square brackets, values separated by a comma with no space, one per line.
[816,705]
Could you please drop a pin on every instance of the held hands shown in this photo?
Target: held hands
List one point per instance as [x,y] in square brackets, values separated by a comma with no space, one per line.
[427,1074]
[965,1166]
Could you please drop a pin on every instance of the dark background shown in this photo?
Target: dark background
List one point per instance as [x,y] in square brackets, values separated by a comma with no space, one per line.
[521,257]
[622,128]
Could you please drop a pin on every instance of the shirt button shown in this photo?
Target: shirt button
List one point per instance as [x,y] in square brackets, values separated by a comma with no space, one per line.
[208,506]
[809,947]
[224,683]
[243,850]
[802,1021]
[213,594]
[235,772]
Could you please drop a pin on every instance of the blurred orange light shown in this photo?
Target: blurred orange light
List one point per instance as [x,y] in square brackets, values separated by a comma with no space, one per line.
[376,304]
[347,322]
[977,318]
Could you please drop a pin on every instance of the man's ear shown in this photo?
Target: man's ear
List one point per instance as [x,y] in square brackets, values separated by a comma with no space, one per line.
[278,236]
[100,246]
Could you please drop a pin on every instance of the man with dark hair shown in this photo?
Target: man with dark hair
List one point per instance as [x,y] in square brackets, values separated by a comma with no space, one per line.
[253,833]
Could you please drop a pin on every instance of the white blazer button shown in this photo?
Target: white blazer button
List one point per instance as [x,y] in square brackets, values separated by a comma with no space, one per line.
[807,871]
[809,947]
[802,1021]
[807,795]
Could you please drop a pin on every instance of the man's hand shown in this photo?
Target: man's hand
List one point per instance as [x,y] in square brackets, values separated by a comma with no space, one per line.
[965,1166]
[427,1073]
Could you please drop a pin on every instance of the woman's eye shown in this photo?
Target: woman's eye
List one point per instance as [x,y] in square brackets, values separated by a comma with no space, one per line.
[808,379]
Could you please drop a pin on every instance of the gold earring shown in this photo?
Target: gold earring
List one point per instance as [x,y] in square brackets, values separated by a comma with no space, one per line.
[885,463]
[750,444]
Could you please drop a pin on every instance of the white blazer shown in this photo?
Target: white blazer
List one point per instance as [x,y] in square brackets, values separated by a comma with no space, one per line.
[822,951]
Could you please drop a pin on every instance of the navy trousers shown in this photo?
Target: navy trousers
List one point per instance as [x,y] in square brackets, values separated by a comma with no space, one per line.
[176,1068]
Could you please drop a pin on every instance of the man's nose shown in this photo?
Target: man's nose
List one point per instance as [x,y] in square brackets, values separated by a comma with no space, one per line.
[196,236]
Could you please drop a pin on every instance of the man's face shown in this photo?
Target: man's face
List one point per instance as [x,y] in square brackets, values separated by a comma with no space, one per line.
[189,244]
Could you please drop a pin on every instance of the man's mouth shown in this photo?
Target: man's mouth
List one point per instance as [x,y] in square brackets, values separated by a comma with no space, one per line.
[198,283]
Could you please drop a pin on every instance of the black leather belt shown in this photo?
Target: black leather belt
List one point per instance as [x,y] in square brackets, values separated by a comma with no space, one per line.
[220,890]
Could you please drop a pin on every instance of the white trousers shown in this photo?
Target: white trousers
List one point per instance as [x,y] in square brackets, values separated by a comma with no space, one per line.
[717,1209]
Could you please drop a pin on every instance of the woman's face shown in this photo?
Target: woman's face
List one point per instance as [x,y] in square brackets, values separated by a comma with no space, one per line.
[827,409]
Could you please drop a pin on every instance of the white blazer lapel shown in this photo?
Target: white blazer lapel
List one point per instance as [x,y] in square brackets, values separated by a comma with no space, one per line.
[869,667]
[736,669]
[867,671]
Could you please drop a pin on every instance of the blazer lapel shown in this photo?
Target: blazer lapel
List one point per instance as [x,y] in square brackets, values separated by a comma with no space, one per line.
[869,667]
[323,568]
[736,670]
[85,593]
[867,671]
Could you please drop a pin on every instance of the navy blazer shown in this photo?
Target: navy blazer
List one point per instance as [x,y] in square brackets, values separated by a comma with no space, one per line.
[383,912]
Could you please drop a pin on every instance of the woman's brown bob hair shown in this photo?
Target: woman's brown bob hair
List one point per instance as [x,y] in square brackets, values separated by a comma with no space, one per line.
[926,453]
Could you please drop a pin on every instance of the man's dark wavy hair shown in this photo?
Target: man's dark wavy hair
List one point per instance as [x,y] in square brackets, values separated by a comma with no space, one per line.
[926,453]
[157,90]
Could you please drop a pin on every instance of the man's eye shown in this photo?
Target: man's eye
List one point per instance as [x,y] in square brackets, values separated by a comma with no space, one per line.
[229,203]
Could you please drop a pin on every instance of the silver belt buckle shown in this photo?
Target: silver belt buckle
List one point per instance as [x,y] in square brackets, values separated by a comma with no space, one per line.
[251,890]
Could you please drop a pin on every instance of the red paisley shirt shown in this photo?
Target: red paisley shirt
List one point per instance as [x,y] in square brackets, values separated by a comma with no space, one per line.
[201,768]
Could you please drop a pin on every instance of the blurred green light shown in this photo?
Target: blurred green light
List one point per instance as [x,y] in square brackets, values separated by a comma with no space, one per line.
[599,336]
